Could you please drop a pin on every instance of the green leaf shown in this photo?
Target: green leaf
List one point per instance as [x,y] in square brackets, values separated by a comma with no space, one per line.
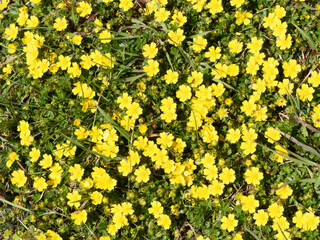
[15,205]
[131,79]
[292,120]
[114,124]
[304,146]
[218,80]
[75,142]
[252,233]
[306,36]
[317,183]
[7,234]
[187,57]
[300,160]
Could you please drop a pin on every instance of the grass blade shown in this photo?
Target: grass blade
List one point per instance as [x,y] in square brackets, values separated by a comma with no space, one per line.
[75,142]
[131,79]
[308,162]
[15,205]
[306,36]
[217,80]
[187,57]
[304,146]
[114,124]
[252,233]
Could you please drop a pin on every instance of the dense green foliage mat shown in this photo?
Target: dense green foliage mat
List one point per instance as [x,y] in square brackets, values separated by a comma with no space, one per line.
[160,119]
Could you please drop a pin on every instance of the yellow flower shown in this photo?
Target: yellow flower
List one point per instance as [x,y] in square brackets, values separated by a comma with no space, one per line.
[102,180]
[249,203]
[171,77]
[253,176]
[23,17]
[279,11]
[227,175]
[314,79]
[285,87]
[310,222]
[176,38]
[161,15]
[152,68]
[76,39]
[12,157]
[64,62]
[229,223]
[235,46]
[112,229]
[280,224]
[291,68]
[74,198]
[272,134]
[105,237]
[261,217]
[96,197]
[213,54]
[60,24]
[233,70]
[199,44]
[81,133]
[18,178]
[150,50]
[284,191]
[195,79]
[275,210]
[134,110]
[164,221]
[248,107]
[79,217]
[12,48]
[105,36]
[11,32]
[156,209]
[255,45]
[198,5]
[35,1]
[233,136]
[46,162]
[32,22]
[52,235]
[236,3]
[127,208]
[243,17]
[124,101]
[40,184]
[238,236]
[179,19]
[211,172]
[282,151]
[248,147]
[119,220]
[84,8]
[305,92]
[86,62]
[184,93]
[284,42]
[215,6]
[4,4]
[142,174]
[74,70]
[126,5]
[76,172]
[87,183]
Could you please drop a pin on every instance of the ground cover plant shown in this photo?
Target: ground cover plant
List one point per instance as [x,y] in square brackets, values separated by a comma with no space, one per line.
[160,119]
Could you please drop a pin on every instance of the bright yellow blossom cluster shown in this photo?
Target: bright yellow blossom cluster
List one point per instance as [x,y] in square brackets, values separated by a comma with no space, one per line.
[25,133]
